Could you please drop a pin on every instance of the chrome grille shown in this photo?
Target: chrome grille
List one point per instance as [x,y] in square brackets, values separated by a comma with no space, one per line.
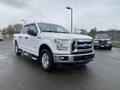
[102,41]
[79,46]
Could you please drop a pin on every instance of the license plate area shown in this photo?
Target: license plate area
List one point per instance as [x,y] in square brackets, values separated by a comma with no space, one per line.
[85,57]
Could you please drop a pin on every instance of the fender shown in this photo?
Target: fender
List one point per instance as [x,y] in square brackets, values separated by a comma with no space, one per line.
[47,42]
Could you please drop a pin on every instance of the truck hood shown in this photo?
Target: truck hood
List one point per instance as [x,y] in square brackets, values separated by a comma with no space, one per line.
[64,36]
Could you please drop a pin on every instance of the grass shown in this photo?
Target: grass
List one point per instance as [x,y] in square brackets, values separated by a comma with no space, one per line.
[116,43]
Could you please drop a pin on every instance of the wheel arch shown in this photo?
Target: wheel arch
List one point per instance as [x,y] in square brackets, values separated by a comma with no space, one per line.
[44,46]
[15,41]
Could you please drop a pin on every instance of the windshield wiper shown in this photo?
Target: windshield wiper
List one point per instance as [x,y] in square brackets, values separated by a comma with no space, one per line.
[48,31]
[55,31]
[60,32]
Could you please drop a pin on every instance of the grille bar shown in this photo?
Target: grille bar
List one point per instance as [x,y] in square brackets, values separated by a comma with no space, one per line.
[102,41]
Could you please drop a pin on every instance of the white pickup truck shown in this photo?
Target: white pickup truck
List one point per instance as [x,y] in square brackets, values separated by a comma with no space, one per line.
[53,44]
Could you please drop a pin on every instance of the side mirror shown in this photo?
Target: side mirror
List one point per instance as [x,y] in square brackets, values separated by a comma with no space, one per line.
[31,32]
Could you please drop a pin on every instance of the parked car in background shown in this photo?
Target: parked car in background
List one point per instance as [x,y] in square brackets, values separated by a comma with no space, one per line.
[103,41]
[1,37]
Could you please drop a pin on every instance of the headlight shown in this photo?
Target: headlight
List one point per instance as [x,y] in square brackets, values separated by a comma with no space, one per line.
[95,41]
[62,44]
[109,42]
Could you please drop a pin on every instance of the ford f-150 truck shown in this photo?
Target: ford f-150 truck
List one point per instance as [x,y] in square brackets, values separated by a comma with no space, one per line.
[53,44]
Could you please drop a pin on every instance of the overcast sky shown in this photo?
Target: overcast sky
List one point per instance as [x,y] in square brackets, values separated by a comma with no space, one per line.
[103,14]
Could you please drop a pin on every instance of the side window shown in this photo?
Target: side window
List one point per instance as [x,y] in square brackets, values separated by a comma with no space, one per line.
[25,29]
[34,28]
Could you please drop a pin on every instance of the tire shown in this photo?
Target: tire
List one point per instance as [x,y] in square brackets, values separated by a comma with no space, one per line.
[109,48]
[1,39]
[17,50]
[46,60]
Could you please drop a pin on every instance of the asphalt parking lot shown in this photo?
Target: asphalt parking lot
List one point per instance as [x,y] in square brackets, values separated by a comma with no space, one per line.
[23,73]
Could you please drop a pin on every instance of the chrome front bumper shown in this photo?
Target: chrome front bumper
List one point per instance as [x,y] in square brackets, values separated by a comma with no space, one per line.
[73,58]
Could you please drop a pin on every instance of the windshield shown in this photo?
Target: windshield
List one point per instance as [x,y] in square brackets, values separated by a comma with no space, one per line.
[44,27]
[102,36]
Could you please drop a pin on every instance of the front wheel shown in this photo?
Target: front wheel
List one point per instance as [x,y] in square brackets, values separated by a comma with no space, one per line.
[17,50]
[46,60]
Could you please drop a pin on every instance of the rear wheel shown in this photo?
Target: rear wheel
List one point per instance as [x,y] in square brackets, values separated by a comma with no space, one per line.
[46,60]
[17,50]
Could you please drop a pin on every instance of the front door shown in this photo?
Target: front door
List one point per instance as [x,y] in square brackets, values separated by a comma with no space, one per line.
[32,40]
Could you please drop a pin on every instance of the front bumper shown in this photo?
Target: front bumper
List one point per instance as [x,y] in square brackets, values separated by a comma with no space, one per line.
[103,45]
[73,58]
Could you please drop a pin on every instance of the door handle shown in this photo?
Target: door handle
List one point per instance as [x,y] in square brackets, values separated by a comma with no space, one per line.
[39,37]
[26,37]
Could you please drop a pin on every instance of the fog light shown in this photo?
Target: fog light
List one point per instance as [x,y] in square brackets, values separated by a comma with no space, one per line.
[64,58]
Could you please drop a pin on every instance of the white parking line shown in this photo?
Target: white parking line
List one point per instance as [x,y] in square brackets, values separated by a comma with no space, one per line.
[3,57]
